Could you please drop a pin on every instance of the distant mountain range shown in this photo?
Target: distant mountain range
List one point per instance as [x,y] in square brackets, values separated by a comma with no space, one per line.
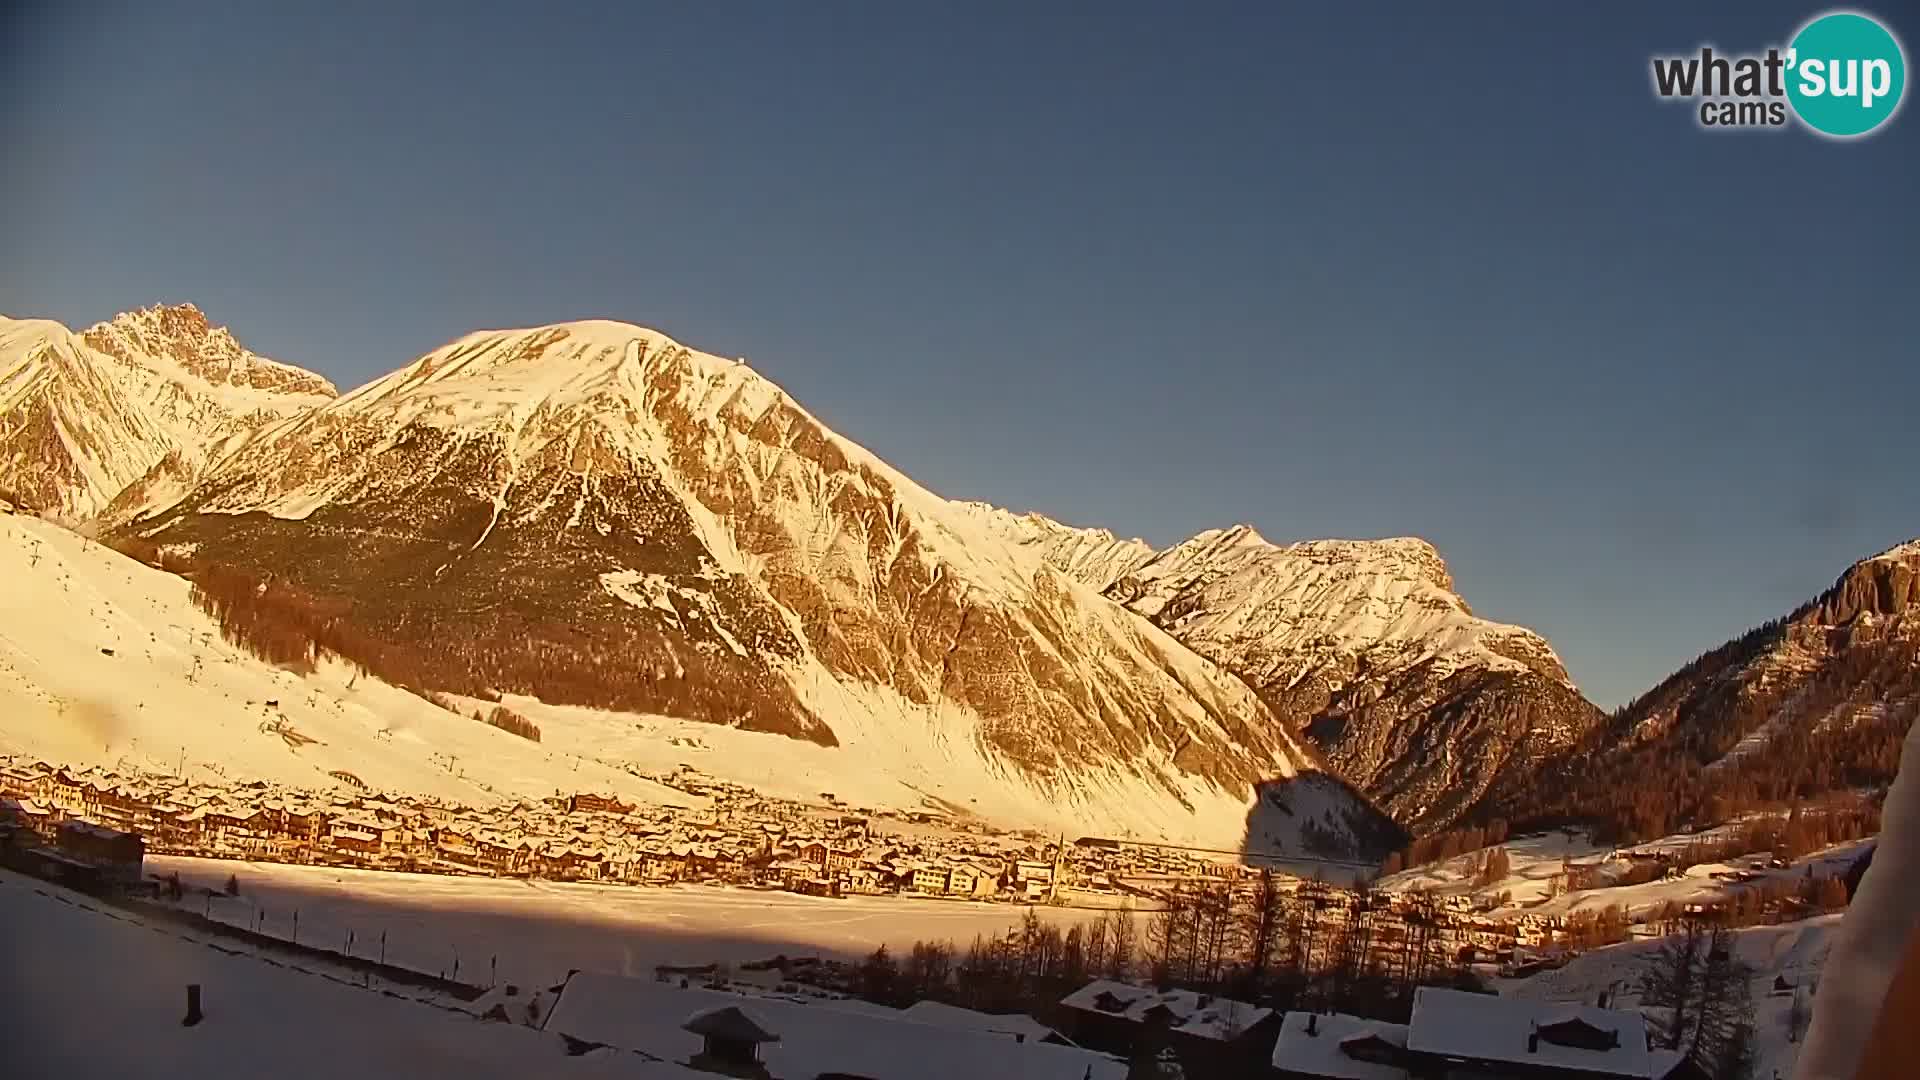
[595,517]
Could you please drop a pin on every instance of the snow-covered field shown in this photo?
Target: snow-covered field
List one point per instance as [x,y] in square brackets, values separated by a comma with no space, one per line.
[91,992]
[1797,951]
[541,930]
[1534,861]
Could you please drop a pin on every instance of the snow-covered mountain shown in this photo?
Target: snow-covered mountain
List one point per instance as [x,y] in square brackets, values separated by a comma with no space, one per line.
[596,516]
[1362,644]
[1365,645]
[1817,700]
[1095,557]
[85,416]
[1851,654]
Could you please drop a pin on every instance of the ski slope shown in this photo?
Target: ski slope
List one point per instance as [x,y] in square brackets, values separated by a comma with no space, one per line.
[104,660]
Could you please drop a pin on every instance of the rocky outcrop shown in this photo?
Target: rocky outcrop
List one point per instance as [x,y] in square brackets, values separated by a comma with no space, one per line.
[1887,585]
[181,334]
[1816,701]
[84,416]
[1365,646]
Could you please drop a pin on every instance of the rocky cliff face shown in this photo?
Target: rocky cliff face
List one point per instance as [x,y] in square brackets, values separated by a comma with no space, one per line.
[1362,644]
[85,416]
[593,514]
[1366,647]
[1850,654]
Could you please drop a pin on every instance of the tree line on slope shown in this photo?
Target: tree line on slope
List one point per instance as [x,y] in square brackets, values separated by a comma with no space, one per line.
[1439,847]
[1688,777]
[283,624]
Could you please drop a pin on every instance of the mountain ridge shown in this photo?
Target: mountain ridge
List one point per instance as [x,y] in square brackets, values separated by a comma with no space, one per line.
[594,510]
[84,416]
[1817,700]
[517,507]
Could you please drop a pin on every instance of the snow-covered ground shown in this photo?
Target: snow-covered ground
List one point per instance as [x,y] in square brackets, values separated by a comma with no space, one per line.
[1797,951]
[1535,861]
[104,660]
[541,930]
[92,992]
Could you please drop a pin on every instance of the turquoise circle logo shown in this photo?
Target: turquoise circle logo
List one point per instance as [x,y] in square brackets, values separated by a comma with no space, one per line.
[1846,74]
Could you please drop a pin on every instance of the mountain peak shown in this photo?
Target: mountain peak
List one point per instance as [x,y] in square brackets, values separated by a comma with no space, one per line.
[178,320]
[182,334]
[1884,585]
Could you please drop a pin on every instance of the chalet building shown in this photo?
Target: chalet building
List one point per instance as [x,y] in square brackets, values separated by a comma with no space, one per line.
[928,878]
[38,821]
[963,880]
[1204,1031]
[663,865]
[1019,1026]
[815,1040]
[1334,1046]
[119,856]
[348,836]
[1455,1033]
[596,804]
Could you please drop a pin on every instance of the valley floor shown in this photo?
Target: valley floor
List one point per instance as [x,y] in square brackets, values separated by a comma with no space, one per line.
[540,930]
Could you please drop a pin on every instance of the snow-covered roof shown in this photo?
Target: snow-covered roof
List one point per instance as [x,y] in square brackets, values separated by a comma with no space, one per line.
[1202,1015]
[646,1015]
[1324,1052]
[940,1014]
[1483,1027]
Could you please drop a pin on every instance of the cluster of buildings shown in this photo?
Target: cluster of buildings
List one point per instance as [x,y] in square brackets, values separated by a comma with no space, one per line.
[739,837]
[734,836]
[1103,1031]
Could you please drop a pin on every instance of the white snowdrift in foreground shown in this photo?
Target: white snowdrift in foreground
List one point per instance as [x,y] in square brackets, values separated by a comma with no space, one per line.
[91,993]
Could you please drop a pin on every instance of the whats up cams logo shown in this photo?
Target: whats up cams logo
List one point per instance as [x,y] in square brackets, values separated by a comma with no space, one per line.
[1842,76]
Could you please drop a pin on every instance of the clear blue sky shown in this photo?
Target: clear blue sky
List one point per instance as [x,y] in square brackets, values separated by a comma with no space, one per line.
[1170,268]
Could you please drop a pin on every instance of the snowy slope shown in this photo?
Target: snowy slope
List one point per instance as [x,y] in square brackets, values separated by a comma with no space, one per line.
[1537,863]
[1832,687]
[94,993]
[1094,557]
[84,416]
[520,505]
[1796,951]
[171,691]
